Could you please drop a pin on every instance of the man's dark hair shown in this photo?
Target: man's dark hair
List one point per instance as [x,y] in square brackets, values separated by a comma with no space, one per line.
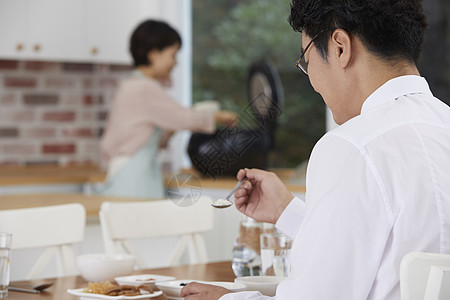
[151,35]
[390,29]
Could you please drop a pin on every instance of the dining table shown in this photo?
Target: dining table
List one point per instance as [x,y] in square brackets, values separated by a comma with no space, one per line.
[212,271]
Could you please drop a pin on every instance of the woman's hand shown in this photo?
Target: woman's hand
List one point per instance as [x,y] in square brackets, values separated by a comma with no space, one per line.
[263,196]
[195,290]
[226,118]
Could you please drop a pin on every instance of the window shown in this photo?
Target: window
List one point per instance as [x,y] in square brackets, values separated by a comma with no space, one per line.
[228,36]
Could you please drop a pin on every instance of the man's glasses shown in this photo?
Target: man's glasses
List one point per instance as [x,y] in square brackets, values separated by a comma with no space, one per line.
[301,63]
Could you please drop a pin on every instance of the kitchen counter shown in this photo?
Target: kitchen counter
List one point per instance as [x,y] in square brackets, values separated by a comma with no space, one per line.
[92,174]
[48,174]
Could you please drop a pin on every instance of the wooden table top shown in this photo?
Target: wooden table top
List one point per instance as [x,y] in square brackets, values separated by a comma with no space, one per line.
[217,271]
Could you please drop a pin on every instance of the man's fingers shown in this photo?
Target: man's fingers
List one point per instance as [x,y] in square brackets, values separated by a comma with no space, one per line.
[244,189]
[191,288]
[240,174]
[195,290]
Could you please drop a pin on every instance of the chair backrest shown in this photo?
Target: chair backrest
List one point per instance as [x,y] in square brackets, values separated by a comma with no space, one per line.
[124,221]
[425,276]
[55,228]
[438,285]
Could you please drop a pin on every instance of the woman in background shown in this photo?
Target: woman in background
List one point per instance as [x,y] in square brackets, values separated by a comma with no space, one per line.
[142,110]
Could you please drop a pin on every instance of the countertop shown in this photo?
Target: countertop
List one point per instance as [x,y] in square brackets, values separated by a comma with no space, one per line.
[89,173]
[49,174]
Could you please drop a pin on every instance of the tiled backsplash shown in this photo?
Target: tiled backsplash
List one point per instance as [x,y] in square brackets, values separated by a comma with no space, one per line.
[52,112]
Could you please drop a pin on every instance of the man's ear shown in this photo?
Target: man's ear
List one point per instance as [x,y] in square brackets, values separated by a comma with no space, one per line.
[341,45]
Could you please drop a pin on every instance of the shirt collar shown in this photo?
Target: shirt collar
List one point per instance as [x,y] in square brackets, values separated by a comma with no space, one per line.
[395,88]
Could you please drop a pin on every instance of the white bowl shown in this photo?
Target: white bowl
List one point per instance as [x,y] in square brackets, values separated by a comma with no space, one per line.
[266,285]
[173,288]
[101,266]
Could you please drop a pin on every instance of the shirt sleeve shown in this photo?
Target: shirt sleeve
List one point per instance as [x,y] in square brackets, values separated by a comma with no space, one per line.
[341,240]
[292,217]
[139,106]
[159,109]
[252,295]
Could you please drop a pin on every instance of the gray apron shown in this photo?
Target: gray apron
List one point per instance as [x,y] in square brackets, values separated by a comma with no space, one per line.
[141,175]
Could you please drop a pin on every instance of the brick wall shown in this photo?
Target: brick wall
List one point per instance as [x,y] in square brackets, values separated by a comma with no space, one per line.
[52,112]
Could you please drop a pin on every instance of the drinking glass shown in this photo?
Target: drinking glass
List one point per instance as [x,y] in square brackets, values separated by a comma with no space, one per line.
[275,254]
[246,253]
[5,250]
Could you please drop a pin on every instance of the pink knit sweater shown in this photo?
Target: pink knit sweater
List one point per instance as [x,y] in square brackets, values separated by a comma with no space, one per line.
[140,105]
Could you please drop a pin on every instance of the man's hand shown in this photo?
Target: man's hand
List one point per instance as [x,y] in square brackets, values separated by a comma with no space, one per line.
[195,290]
[263,196]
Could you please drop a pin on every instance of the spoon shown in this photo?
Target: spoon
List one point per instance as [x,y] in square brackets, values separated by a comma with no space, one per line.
[35,289]
[224,203]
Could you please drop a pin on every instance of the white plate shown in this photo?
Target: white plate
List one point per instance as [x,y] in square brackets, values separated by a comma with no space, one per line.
[173,288]
[142,279]
[82,295]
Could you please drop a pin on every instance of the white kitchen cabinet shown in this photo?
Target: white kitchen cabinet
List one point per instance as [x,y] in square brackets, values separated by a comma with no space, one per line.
[55,29]
[41,30]
[13,27]
[110,24]
[79,30]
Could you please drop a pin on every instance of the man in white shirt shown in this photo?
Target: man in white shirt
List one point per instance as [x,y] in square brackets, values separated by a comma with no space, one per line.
[378,186]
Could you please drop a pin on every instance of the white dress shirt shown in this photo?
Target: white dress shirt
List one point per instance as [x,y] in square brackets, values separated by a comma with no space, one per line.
[378,187]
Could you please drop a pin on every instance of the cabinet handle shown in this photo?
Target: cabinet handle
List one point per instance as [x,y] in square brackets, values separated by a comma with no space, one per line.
[37,48]
[94,50]
[19,47]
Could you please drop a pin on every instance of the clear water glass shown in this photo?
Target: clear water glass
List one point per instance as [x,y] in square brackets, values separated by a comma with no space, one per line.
[5,255]
[246,260]
[275,254]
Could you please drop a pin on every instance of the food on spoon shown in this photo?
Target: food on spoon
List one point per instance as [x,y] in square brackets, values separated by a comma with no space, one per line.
[222,202]
[111,289]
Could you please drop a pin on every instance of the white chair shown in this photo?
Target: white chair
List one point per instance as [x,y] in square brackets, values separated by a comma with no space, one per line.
[125,221]
[425,276]
[55,228]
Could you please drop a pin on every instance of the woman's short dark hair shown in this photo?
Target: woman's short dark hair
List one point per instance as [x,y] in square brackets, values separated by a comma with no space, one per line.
[149,35]
[390,29]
